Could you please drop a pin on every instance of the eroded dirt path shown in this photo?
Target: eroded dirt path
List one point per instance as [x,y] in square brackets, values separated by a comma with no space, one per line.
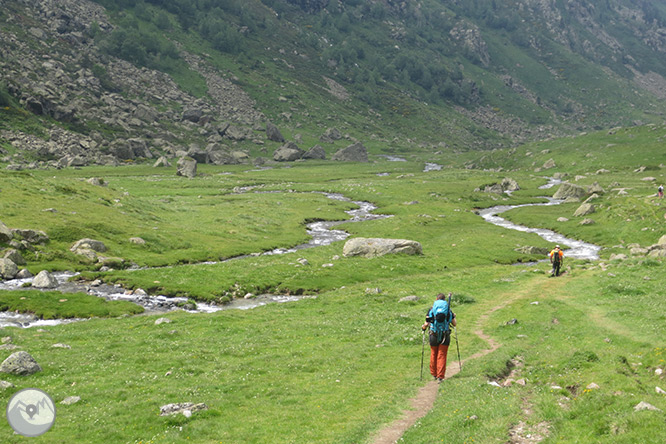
[424,401]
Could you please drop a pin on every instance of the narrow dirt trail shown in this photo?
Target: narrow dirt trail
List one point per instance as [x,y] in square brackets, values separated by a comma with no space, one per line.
[425,399]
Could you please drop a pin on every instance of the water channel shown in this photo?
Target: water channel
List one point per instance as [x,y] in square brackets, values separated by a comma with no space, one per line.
[322,233]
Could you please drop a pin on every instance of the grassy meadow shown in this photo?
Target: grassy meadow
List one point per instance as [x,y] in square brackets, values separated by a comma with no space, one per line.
[343,362]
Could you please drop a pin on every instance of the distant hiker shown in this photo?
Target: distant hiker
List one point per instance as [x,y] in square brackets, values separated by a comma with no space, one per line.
[556,258]
[439,319]
[660,191]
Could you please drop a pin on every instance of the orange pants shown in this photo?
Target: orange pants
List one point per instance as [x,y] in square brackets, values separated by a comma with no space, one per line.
[438,360]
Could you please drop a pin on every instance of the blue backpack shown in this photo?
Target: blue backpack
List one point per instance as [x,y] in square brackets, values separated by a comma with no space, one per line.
[439,317]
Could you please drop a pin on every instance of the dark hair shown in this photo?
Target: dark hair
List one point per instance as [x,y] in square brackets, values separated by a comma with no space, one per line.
[441,297]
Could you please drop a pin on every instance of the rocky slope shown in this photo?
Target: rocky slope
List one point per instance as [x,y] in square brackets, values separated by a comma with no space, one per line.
[49,69]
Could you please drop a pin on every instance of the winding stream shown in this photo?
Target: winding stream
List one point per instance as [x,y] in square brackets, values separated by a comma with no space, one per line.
[321,232]
[576,249]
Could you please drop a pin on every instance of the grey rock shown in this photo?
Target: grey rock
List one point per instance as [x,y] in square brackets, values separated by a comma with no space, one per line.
[8,269]
[619,257]
[584,210]
[373,247]
[331,135]
[587,222]
[20,363]
[6,234]
[88,244]
[44,279]
[4,385]
[645,406]
[24,274]
[96,181]
[174,409]
[187,167]
[288,153]
[163,321]
[222,158]
[192,114]
[411,298]
[353,153]
[550,163]
[533,250]
[273,133]
[70,400]
[137,241]
[316,152]
[161,162]
[569,190]
[59,345]
[595,188]
[15,256]
[31,236]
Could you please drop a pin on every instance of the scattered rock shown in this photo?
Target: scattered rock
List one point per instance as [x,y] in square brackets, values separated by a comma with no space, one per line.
[411,298]
[645,406]
[513,321]
[567,190]
[4,385]
[5,233]
[44,279]
[316,152]
[353,153]
[331,135]
[97,181]
[587,222]
[163,321]
[187,167]
[8,269]
[59,345]
[562,219]
[373,247]
[14,256]
[20,363]
[592,386]
[70,400]
[660,391]
[373,291]
[302,261]
[584,210]
[174,409]
[550,163]
[161,162]
[9,347]
[88,244]
[288,152]
[273,133]
[137,241]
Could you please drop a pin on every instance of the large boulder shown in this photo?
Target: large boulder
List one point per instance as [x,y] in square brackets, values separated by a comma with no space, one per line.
[20,363]
[584,210]
[316,152]
[5,233]
[8,269]
[288,153]
[44,279]
[353,153]
[14,256]
[567,190]
[373,247]
[273,133]
[222,158]
[88,244]
[595,188]
[187,167]
[509,184]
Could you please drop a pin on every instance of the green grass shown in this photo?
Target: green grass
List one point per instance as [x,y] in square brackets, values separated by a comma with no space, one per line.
[338,367]
[55,305]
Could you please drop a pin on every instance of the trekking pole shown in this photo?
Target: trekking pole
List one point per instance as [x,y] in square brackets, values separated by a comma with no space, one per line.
[458,348]
[422,351]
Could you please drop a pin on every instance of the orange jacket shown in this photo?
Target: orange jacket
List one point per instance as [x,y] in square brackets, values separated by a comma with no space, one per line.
[554,252]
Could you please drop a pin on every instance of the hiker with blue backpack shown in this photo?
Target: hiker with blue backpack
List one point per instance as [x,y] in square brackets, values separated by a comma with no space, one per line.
[439,319]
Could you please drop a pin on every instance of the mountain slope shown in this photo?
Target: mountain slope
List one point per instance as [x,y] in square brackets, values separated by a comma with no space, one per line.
[117,80]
